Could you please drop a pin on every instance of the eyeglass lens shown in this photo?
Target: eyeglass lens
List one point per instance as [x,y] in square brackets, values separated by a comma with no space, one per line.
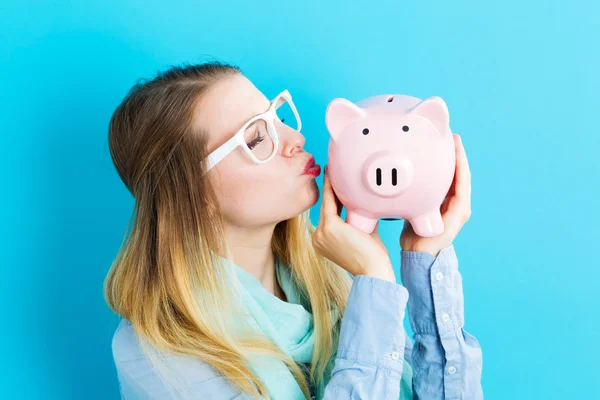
[257,136]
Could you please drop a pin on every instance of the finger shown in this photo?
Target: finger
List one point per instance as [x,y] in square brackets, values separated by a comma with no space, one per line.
[444,205]
[328,204]
[322,209]
[452,226]
[338,203]
[462,185]
[451,190]
[407,227]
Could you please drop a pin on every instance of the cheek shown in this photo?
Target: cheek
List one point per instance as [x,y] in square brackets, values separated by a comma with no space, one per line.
[250,194]
[254,199]
[244,197]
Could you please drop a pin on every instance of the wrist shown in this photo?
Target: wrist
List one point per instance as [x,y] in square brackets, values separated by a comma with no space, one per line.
[433,249]
[382,271]
[390,277]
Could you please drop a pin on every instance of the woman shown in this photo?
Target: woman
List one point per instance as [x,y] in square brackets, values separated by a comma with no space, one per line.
[226,289]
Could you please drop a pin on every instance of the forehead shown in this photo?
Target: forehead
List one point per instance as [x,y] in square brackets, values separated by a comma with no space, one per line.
[226,107]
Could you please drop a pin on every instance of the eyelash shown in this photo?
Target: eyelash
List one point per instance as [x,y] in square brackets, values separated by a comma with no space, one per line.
[259,139]
[255,142]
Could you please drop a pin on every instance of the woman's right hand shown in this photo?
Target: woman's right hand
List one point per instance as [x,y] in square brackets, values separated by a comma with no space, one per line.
[357,252]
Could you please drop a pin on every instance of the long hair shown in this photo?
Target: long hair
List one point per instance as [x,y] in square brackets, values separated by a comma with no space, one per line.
[165,279]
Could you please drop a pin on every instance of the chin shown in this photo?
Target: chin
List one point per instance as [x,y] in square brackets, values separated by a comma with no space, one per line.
[304,200]
[313,196]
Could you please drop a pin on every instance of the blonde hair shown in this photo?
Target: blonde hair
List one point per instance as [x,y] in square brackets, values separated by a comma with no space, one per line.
[165,279]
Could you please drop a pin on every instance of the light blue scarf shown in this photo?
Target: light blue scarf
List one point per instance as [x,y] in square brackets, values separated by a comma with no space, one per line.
[290,326]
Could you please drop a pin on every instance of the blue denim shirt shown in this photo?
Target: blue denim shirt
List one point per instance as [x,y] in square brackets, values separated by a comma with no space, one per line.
[446,360]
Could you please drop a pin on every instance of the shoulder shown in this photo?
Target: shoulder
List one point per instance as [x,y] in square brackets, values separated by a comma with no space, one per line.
[125,345]
[127,349]
[137,372]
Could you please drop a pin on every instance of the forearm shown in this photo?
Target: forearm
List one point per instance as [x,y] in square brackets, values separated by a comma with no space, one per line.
[447,360]
[370,356]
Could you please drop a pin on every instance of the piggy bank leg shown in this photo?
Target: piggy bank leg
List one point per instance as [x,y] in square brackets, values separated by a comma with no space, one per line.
[361,222]
[428,225]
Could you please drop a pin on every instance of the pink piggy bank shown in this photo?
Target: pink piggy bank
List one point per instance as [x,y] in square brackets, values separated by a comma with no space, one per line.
[391,156]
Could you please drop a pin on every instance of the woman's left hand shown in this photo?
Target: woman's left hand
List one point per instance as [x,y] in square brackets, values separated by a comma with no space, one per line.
[455,210]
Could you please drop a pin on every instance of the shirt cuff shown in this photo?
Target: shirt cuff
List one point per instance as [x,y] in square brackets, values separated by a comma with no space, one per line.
[432,279]
[372,330]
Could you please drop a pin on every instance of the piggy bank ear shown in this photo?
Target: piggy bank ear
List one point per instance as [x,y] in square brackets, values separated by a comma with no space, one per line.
[435,110]
[340,112]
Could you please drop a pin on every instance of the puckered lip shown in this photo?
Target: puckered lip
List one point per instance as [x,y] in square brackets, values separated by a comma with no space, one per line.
[309,164]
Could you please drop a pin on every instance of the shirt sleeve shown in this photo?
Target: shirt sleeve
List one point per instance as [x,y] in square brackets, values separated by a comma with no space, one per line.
[369,359]
[446,359]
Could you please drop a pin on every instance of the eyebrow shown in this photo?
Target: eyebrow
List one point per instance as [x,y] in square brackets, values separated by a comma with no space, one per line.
[266,109]
[261,112]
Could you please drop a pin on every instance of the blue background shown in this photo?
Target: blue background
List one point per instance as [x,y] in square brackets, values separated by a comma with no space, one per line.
[521,81]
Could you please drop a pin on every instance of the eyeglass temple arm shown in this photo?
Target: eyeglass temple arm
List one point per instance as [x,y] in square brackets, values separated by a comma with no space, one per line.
[222,151]
[285,95]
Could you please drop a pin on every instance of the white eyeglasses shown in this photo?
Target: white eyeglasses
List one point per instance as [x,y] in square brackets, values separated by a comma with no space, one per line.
[258,137]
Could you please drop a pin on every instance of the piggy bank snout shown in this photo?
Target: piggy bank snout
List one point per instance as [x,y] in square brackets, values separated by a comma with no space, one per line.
[387,174]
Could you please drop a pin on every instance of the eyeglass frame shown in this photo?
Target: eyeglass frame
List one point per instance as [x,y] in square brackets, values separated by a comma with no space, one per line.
[238,139]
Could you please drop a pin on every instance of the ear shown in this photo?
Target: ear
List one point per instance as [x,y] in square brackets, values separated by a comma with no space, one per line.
[340,112]
[435,110]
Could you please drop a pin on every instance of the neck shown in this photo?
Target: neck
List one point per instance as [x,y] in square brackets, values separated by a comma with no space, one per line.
[252,251]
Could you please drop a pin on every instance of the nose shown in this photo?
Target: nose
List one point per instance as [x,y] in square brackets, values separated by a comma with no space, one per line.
[387,174]
[291,141]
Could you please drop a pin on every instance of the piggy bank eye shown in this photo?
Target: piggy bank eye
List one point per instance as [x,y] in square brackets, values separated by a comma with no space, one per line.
[405,128]
[365,131]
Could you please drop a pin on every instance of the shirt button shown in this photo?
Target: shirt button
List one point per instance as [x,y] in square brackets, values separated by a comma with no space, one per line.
[439,276]
[395,355]
[445,317]
[451,370]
